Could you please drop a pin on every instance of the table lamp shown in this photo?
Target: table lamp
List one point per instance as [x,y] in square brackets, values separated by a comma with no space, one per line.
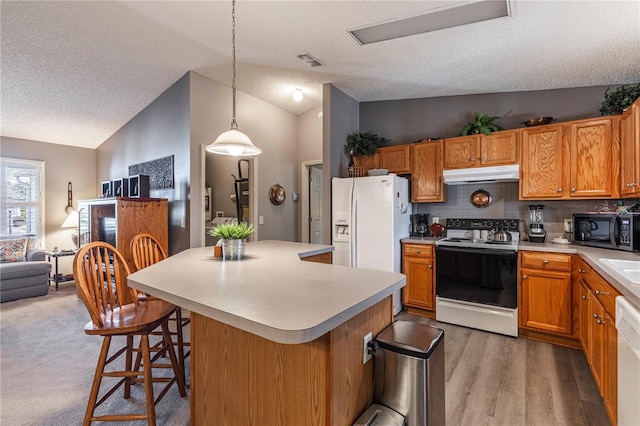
[72,221]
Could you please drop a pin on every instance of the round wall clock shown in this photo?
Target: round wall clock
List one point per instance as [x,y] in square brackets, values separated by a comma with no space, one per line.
[276,194]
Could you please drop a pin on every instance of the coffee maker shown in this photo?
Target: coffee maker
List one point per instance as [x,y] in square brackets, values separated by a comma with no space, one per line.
[420,225]
[536,233]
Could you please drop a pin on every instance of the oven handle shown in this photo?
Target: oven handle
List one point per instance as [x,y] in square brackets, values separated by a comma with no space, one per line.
[504,253]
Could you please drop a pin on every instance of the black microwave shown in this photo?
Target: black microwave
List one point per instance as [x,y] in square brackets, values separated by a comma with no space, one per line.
[612,231]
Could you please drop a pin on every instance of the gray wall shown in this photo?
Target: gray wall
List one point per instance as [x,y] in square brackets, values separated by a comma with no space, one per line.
[272,129]
[309,149]
[341,117]
[159,130]
[410,120]
[62,164]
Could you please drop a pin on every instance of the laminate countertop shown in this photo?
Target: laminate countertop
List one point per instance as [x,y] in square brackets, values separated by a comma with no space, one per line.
[270,292]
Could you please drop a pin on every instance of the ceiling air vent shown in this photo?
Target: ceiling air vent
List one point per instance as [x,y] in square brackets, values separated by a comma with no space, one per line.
[466,13]
[309,60]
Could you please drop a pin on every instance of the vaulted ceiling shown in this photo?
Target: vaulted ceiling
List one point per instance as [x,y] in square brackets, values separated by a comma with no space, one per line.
[74,72]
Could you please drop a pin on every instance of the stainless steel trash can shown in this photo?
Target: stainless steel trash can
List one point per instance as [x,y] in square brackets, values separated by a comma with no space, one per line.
[409,372]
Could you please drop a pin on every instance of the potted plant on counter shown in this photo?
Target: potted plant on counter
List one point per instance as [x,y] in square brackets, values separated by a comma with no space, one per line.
[234,237]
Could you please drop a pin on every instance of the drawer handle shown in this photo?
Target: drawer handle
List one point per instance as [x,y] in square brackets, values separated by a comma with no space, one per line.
[582,271]
[472,159]
[600,293]
[545,262]
[417,251]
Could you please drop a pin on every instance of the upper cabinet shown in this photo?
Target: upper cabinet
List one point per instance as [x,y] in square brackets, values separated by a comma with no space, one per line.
[499,148]
[630,151]
[541,165]
[579,159]
[396,159]
[426,178]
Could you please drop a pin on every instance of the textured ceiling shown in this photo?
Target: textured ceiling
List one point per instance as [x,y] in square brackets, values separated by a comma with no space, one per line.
[74,72]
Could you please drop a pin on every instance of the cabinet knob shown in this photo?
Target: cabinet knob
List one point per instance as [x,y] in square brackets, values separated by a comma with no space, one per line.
[628,185]
[585,297]
[573,190]
[430,266]
[559,190]
[417,251]
[524,277]
[600,293]
[472,159]
[600,321]
[582,271]
[545,262]
[634,184]
[595,316]
[437,193]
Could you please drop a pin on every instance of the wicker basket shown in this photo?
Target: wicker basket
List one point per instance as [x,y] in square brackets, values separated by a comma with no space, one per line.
[356,171]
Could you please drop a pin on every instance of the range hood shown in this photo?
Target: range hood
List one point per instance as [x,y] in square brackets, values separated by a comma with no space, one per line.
[509,173]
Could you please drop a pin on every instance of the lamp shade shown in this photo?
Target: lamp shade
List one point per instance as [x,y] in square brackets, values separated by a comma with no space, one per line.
[71,221]
[235,143]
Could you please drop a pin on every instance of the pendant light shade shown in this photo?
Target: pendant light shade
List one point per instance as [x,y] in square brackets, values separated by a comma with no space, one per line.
[234,142]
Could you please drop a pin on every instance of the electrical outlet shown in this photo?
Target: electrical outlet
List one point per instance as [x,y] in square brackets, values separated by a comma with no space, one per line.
[366,356]
[567,225]
[436,219]
[261,220]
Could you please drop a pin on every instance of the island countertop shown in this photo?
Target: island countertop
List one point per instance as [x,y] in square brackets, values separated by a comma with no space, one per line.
[270,292]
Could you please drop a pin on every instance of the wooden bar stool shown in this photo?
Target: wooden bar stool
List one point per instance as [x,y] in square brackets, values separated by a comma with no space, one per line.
[100,274]
[146,250]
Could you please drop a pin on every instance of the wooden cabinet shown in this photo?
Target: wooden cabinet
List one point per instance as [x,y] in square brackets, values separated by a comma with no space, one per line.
[592,159]
[419,267]
[598,334]
[579,159]
[426,178]
[118,220]
[499,148]
[630,152]
[396,159]
[319,258]
[546,297]
[541,164]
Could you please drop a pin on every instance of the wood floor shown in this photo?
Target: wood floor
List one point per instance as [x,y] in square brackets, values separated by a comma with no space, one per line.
[492,379]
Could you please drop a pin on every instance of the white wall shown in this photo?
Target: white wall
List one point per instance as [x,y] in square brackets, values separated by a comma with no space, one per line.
[63,164]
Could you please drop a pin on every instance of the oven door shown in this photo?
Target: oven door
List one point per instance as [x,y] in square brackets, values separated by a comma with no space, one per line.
[485,276]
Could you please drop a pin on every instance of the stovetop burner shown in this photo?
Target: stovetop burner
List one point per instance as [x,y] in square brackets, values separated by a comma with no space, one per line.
[464,233]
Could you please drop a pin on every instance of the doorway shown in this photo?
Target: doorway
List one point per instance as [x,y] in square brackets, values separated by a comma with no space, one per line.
[312,205]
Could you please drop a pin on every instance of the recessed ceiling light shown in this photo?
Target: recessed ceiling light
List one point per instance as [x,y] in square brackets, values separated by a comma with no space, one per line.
[297,95]
[309,60]
[456,16]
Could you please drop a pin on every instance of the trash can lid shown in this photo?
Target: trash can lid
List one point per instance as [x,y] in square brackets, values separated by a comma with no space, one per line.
[410,338]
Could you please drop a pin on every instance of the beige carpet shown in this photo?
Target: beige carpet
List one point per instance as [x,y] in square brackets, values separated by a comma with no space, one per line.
[47,364]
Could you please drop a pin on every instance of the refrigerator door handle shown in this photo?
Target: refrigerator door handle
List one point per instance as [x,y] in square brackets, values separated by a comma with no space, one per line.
[353,225]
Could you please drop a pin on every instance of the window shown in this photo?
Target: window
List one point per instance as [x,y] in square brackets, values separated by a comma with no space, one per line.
[22,200]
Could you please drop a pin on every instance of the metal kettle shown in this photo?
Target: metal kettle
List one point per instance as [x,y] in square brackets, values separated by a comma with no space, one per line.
[502,236]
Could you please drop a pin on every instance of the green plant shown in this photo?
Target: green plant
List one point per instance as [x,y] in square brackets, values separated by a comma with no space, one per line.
[615,101]
[363,143]
[483,124]
[232,231]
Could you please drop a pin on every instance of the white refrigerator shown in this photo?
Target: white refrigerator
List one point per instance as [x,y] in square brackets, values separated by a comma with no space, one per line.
[369,217]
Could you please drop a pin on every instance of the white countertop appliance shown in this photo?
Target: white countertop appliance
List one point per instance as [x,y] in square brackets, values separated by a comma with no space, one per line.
[477,275]
[370,215]
[628,325]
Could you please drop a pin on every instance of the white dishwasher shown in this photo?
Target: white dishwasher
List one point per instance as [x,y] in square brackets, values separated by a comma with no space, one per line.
[628,325]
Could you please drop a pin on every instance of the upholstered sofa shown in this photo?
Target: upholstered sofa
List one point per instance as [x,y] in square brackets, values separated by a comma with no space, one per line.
[27,278]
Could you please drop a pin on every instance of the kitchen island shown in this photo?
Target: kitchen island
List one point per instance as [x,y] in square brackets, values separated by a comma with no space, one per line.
[275,340]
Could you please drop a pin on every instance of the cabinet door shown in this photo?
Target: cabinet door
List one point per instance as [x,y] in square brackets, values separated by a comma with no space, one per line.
[462,152]
[426,177]
[585,295]
[630,151]
[396,159]
[499,148]
[541,165]
[591,159]
[597,336]
[419,291]
[610,367]
[546,301]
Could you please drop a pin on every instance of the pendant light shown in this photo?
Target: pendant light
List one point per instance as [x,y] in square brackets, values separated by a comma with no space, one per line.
[233,142]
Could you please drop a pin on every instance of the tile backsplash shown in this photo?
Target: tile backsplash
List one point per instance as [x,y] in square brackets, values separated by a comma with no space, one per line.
[505,204]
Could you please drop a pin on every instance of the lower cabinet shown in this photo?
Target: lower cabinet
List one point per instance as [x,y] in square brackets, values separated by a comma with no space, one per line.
[598,334]
[546,293]
[319,258]
[419,267]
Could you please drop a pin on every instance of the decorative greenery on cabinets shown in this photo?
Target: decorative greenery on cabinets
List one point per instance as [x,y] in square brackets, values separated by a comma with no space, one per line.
[617,100]
[363,143]
[483,124]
